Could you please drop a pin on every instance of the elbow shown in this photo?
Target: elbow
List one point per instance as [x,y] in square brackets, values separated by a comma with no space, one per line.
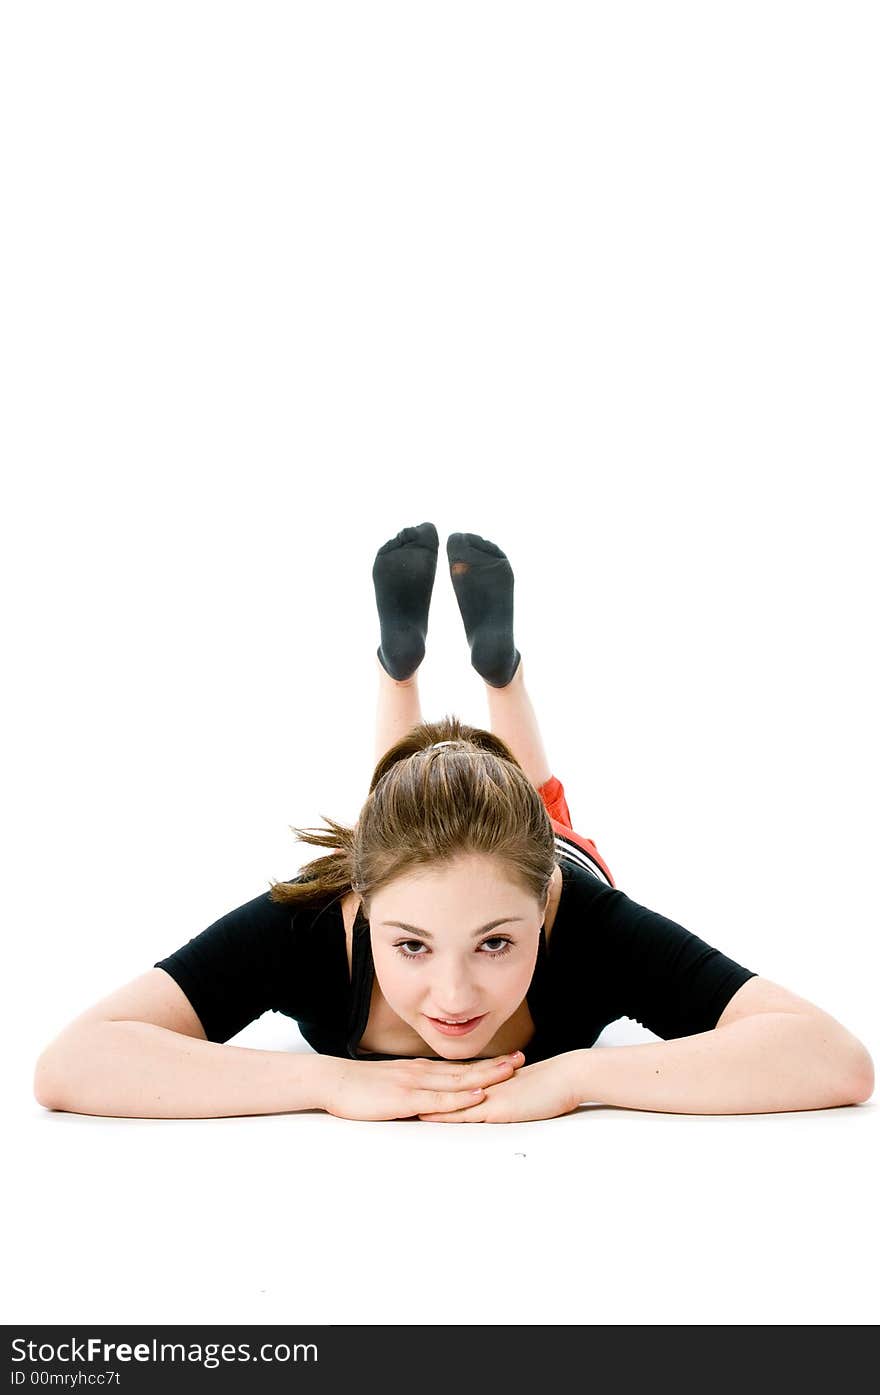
[47,1083]
[863,1077]
[849,1060]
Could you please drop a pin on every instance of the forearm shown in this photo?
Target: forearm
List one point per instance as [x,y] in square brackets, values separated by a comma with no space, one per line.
[138,1070]
[760,1064]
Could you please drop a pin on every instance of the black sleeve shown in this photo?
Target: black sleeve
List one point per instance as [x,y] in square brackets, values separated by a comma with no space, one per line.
[233,972]
[657,972]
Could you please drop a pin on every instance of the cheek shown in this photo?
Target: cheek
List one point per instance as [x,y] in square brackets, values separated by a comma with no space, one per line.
[508,982]
[518,977]
[396,979]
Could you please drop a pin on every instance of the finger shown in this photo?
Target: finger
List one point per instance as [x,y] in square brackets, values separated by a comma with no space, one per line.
[486,1073]
[446,1101]
[474,1115]
[513,1059]
[517,1057]
[467,1077]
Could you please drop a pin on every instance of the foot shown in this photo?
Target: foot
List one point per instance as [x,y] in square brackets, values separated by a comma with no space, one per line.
[483,582]
[403,576]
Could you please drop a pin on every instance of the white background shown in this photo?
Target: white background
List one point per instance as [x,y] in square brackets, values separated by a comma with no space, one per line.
[598,281]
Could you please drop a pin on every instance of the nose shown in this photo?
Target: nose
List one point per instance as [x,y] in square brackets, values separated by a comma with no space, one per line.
[455,993]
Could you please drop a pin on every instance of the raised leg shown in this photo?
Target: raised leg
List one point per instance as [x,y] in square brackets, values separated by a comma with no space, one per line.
[403,575]
[512,717]
[398,707]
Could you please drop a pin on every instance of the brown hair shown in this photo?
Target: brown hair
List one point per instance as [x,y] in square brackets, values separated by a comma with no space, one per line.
[429,806]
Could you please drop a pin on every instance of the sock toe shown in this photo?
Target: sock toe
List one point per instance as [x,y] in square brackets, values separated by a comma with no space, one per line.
[403,577]
[483,580]
[425,535]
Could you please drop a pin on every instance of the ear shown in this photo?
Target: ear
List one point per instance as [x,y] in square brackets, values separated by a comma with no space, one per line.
[549,895]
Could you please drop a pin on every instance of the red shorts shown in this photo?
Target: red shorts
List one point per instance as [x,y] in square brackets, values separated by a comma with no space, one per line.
[553,796]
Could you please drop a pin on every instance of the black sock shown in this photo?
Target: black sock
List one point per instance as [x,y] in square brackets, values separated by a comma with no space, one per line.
[483,582]
[403,575]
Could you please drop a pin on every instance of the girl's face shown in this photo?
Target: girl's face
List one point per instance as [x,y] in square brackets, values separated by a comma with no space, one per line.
[464,945]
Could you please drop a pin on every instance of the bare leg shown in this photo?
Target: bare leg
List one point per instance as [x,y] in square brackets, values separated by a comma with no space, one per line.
[512,717]
[397,709]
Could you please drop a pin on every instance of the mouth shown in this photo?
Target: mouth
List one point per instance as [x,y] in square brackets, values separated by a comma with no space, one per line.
[456,1029]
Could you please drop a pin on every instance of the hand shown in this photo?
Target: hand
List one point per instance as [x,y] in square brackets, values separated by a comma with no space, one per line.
[399,1089]
[540,1091]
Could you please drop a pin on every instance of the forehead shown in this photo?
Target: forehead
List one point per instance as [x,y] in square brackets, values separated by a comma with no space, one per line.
[469,884]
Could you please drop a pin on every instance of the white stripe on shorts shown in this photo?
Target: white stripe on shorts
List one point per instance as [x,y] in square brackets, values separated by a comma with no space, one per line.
[573,852]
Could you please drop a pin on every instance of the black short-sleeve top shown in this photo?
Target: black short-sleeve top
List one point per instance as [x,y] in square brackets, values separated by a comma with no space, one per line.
[608,957]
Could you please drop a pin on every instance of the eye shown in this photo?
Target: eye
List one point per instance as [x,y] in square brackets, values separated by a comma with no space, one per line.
[403,951]
[506,945]
[498,940]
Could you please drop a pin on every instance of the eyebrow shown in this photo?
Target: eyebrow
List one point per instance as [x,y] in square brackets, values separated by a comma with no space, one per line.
[505,920]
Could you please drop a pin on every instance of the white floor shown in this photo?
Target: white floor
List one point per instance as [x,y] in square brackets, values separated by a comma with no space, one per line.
[597,282]
[602,1216]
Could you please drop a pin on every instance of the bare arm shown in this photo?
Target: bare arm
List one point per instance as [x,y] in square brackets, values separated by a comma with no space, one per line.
[139,1070]
[758,1064]
[141,1052]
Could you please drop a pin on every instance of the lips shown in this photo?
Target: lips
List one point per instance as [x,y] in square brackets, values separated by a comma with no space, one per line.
[456,1029]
